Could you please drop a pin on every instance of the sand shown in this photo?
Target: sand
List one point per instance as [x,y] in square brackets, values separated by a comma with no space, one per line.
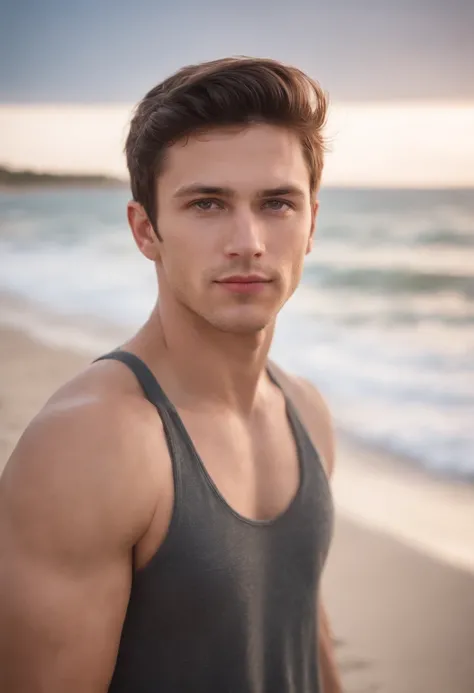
[403,619]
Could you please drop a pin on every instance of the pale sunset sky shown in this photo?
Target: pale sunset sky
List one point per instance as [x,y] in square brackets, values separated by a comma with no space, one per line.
[400,77]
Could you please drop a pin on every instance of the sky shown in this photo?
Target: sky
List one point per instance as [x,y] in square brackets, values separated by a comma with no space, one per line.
[95,51]
[400,75]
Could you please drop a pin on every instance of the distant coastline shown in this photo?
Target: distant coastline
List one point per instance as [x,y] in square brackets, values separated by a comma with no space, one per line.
[13,178]
[21,179]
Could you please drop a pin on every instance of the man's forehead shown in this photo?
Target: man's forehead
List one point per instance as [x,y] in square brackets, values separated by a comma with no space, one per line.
[218,145]
[228,134]
[264,159]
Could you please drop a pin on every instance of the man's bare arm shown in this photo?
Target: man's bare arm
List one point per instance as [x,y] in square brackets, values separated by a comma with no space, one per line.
[72,503]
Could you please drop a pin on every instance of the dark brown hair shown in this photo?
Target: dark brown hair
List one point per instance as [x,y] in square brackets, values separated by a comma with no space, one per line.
[229,91]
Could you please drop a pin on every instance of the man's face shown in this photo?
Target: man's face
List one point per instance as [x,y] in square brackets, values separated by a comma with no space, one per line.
[236,218]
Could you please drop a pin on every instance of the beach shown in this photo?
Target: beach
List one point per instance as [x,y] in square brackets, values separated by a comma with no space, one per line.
[403,617]
[371,291]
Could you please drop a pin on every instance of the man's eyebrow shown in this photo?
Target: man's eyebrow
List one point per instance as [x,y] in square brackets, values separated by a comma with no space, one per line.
[202,189]
[282,190]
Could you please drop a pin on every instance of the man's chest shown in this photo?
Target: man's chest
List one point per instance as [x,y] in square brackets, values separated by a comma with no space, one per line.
[254,465]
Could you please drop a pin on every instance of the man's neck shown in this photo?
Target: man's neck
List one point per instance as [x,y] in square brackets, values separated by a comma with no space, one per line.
[198,364]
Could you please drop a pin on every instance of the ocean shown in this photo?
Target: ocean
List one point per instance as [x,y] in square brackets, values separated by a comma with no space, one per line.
[383,321]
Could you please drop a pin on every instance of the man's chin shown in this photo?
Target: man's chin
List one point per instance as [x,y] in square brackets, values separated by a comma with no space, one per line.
[243,325]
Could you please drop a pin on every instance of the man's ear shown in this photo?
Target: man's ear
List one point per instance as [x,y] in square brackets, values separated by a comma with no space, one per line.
[314,213]
[143,231]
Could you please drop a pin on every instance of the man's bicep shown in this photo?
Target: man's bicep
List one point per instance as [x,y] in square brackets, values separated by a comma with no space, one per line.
[59,628]
[64,578]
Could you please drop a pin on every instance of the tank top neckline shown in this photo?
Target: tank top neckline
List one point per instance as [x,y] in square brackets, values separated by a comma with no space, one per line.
[158,397]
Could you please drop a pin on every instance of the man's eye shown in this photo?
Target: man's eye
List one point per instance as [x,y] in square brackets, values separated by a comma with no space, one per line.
[206,205]
[278,205]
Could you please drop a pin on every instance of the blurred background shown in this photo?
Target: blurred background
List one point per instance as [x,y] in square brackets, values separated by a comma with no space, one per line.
[383,322]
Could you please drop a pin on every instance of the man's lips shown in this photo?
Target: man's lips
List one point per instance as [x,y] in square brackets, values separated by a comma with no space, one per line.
[239,283]
[244,279]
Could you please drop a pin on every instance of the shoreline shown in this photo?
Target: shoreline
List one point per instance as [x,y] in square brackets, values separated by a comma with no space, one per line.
[403,621]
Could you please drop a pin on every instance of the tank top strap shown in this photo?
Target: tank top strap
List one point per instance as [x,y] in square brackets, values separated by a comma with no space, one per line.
[309,453]
[172,425]
[290,407]
[149,384]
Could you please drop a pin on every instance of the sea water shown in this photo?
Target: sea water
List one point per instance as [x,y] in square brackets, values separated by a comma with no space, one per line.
[383,321]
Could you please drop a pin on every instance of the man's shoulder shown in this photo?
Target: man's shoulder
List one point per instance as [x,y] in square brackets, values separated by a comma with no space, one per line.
[94,411]
[86,455]
[313,411]
[305,393]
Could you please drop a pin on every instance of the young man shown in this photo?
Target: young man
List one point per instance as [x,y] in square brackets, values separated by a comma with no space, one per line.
[174,542]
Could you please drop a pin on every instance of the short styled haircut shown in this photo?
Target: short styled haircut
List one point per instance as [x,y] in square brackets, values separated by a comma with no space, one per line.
[220,93]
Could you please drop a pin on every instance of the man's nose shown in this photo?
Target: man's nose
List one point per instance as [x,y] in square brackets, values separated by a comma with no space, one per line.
[246,236]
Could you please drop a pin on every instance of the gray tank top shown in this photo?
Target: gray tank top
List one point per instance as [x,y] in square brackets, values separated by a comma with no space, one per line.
[227,604]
